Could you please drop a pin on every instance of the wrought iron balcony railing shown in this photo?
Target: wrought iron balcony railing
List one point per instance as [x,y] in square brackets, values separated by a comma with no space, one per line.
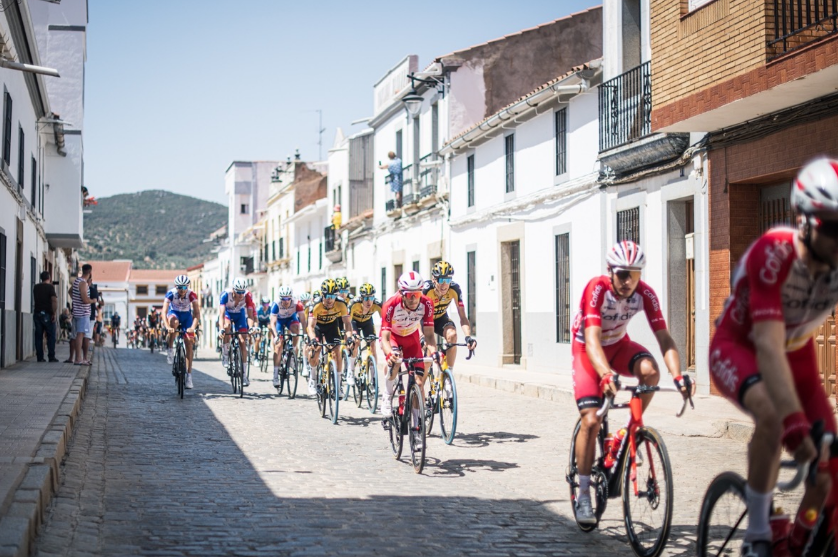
[625,107]
[798,23]
[330,243]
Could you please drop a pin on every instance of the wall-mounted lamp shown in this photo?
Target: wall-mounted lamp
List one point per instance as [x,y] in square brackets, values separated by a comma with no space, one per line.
[413,101]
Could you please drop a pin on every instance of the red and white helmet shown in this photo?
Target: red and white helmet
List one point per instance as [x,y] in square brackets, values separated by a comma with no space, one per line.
[411,281]
[626,255]
[816,187]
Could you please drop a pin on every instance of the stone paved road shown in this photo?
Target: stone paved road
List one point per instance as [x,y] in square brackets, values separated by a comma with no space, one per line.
[217,475]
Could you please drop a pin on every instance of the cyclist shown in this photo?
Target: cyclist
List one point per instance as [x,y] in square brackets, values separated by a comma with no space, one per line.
[402,316]
[139,330]
[762,356]
[285,314]
[263,317]
[116,321]
[361,310]
[153,322]
[237,308]
[600,344]
[305,299]
[182,311]
[442,290]
[345,295]
[323,326]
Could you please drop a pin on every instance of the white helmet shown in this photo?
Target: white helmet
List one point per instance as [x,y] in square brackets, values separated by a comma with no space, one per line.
[305,296]
[411,281]
[181,280]
[239,285]
[816,187]
[285,291]
[266,300]
[626,255]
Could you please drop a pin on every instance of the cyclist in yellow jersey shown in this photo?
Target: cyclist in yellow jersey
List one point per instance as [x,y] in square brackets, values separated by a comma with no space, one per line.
[361,310]
[323,326]
[442,290]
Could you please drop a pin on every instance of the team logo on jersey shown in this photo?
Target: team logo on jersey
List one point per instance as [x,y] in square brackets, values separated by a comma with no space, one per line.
[595,295]
[774,256]
[723,370]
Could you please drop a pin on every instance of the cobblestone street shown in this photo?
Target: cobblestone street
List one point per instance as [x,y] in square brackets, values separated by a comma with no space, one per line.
[213,474]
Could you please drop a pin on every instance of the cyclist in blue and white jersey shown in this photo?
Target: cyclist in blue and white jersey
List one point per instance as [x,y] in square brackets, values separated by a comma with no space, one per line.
[182,311]
[263,316]
[237,308]
[285,314]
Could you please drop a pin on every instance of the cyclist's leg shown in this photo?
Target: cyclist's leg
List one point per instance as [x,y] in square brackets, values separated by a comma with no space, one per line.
[314,353]
[295,329]
[449,333]
[632,359]
[588,395]
[174,324]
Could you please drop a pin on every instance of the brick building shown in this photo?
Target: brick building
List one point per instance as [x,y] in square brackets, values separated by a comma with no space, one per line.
[759,78]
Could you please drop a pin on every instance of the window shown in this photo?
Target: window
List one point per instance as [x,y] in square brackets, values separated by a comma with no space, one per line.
[397,272]
[471,292]
[383,279]
[563,288]
[273,250]
[416,266]
[509,142]
[298,261]
[282,248]
[142,290]
[309,258]
[20,154]
[434,128]
[320,249]
[34,181]
[561,141]
[142,312]
[33,271]
[470,173]
[696,4]
[7,128]
[628,225]
[244,208]
[161,290]
[399,144]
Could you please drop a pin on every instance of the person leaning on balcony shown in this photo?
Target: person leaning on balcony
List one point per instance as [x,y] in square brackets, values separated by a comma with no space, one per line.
[395,169]
[46,306]
[336,217]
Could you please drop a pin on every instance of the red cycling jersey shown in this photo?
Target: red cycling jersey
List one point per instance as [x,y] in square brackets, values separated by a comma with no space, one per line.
[601,308]
[401,321]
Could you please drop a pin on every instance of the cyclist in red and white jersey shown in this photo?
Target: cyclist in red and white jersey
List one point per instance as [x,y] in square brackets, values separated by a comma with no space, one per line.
[237,310]
[402,315]
[762,356]
[601,347]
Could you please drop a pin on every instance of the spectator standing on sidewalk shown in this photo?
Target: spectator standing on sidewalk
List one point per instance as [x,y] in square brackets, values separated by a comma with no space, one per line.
[82,328]
[395,169]
[46,306]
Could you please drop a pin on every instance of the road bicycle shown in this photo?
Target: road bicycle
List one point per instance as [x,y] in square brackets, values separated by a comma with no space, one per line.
[442,396]
[637,469]
[115,337]
[346,356]
[261,353]
[400,421]
[365,372]
[179,364]
[328,381]
[721,523]
[234,362]
[289,364]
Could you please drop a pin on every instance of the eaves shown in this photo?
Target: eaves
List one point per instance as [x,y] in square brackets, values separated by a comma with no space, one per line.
[23,36]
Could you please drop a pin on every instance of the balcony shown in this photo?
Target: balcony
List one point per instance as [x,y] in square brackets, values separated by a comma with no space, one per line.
[331,245]
[625,108]
[799,23]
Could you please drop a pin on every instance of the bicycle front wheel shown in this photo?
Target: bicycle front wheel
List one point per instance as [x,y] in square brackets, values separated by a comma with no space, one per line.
[322,389]
[346,386]
[448,407]
[721,524]
[416,406]
[334,392]
[263,358]
[647,500]
[234,363]
[180,367]
[372,385]
[395,427]
[290,372]
[360,384]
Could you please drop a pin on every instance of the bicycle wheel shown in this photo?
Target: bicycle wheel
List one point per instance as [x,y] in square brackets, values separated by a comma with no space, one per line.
[647,503]
[180,373]
[321,381]
[372,385]
[346,386]
[431,400]
[417,431]
[395,427]
[599,482]
[448,407]
[334,392]
[263,356]
[290,373]
[233,364]
[721,523]
[360,384]
[282,373]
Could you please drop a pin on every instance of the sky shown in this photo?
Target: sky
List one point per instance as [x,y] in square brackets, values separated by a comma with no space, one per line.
[178,89]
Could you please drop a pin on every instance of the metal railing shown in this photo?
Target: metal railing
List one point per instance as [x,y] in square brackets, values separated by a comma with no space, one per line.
[625,107]
[798,23]
[330,243]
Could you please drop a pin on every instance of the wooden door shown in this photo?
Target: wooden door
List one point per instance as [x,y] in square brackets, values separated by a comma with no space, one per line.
[825,348]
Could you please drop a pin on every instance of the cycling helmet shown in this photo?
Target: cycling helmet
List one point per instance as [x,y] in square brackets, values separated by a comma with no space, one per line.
[305,296]
[366,289]
[343,283]
[265,300]
[239,285]
[411,281]
[442,269]
[626,255]
[181,280]
[329,286]
[285,291]
[816,187]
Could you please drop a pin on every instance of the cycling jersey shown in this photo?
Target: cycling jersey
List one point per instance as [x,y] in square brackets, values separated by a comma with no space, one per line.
[772,283]
[441,302]
[264,316]
[600,307]
[401,321]
[284,313]
[178,304]
[152,320]
[233,307]
[357,312]
[326,316]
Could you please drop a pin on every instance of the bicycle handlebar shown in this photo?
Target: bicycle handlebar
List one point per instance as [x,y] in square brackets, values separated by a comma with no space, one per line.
[445,346]
[807,471]
[642,389]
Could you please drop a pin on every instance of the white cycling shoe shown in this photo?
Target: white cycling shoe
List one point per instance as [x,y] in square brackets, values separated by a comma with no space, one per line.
[585,512]
[188,381]
[312,389]
[170,356]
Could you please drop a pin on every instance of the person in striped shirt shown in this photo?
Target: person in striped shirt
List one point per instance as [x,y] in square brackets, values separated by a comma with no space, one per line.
[82,329]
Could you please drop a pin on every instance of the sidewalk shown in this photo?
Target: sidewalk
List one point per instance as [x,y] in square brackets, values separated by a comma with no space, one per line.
[39,403]
[713,415]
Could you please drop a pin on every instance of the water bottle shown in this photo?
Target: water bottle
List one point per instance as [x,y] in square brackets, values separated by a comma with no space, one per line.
[401,402]
[612,447]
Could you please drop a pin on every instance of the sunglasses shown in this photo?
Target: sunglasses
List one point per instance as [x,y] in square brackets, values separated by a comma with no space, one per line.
[624,274]
[182,287]
[412,295]
[286,298]
[344,291]
[330,296]
[368,298]
[444,280]
[239,291]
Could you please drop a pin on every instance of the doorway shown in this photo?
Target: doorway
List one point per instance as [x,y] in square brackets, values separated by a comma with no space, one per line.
[511,270]
[19,293]
[681,272]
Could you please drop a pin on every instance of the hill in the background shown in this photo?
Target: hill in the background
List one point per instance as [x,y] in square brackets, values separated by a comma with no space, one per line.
[156,229]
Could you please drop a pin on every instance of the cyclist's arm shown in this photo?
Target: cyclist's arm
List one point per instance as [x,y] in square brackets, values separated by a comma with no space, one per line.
[386,347]
[770,342]
[165,306]
[430,338]
[312,321]
[196,315]
[670,352]
[593,348]
[464,322]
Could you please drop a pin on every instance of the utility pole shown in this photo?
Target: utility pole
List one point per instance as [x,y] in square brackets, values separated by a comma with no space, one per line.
[320,130]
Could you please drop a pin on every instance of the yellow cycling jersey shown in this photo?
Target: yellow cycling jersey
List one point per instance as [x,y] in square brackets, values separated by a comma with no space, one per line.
[357,313]
[441,303]
[326,316]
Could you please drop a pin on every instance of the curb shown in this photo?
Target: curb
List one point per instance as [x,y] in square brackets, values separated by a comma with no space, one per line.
[32,496]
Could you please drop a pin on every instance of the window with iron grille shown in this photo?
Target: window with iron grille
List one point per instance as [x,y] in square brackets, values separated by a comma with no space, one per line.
[7,128]
[399,144]
[563,288]
[320,265]
[142,290]
[470,174]
[628,225]
[384,283]
[20,154]
[34,181]
[471,294]
[416,266]
[282,248]
[161,290]
[509,143]
[561,141]
[309,258]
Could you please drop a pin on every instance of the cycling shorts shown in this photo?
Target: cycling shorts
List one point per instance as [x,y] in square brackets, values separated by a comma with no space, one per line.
[365,328]
[327,333]
[286,323]
[622,357]
[411,347]
[184,318]
[442,323]
[239,320]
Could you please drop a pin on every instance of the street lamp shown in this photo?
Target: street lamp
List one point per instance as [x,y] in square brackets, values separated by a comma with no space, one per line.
[413,100]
